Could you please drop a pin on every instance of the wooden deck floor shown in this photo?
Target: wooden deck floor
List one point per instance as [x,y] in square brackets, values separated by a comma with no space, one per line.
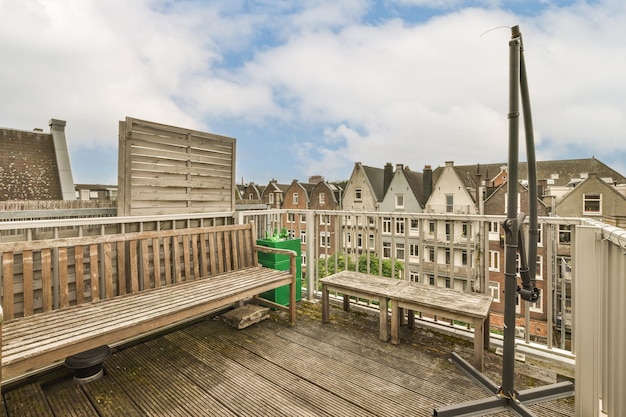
[270,369]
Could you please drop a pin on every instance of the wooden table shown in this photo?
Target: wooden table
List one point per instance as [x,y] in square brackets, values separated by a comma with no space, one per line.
[470,308]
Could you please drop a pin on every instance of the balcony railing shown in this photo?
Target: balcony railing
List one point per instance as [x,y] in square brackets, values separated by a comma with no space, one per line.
[583,283]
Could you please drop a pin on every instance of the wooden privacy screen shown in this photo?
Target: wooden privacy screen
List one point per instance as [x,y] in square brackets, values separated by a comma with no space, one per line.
[170,170]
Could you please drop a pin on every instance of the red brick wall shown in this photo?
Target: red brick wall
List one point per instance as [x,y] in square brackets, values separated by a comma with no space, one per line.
[28,167]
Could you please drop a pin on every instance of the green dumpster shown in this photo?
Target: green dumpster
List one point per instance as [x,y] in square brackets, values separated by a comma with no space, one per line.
[281,262]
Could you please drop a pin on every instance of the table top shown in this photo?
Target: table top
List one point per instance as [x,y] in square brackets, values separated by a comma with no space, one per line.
[446,299]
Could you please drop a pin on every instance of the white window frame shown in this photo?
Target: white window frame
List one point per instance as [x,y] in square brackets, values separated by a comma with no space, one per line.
[400,226]
[386,225]
[294,198]
[322,198]
[358,194]
[494,260]
[386,250]
[400,251]
[537,306]
[271,198]
[399,201]
[494,290]
[303,237]
[592,198]
[324,239]
[414,251]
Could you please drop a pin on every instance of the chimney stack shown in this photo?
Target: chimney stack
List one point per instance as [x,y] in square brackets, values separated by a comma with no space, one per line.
[388,175]
[428,182]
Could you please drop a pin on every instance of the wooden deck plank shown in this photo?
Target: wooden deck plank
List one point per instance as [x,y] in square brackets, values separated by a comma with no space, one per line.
[110,399]
[71,401]
[271,369]
[209,347]
[26,401]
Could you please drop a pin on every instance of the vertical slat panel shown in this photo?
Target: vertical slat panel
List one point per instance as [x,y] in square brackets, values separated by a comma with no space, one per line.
[176,259]
[27,276]
[79,271]
[248,245]
[46,279]
[167,260]
[7,285]
[108,270]
[186,257]
[227,251]
[63,280]
[212,253]
[121,268]
[204,255]
[156,261]
[134,267]
[145,264]
[237,250]
[219,240]
[195,257]
[93,268]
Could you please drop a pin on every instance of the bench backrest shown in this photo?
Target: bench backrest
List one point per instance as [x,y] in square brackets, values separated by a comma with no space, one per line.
[38,276]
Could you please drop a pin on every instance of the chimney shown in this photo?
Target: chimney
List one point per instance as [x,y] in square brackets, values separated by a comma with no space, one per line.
[428,182]
[388,175]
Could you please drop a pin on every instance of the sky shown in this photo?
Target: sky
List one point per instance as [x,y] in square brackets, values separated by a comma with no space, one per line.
[310,87]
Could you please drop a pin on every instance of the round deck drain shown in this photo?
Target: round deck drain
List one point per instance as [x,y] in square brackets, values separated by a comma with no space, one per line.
[87,365]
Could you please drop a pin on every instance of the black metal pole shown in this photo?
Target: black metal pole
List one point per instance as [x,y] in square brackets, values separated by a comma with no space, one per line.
[511,225]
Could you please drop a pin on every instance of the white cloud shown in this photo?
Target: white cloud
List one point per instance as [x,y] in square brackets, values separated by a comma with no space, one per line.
[344,89]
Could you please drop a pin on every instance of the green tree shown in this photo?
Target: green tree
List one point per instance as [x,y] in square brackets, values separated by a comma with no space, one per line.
[326,266]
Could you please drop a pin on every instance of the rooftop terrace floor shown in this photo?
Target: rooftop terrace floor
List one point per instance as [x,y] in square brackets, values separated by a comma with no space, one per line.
[270,369]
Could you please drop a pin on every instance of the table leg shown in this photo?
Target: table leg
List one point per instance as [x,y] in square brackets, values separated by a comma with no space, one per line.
[325,304]
[384,319]
[395,322]
[479,339]
[346,302]
[411,324]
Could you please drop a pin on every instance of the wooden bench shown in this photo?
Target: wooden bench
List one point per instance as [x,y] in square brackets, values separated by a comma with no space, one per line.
[111,288]
[469,308]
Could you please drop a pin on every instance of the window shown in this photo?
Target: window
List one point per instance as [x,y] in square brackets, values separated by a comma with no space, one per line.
[371,220]
[324,239]
[358,195]
[371,241]
[494,260]
[494,230]
[537,306]
[414,250]
[348,220]
[250,196]
[431,280]
[359,240]
[325,220]
[303,259]
[565,236]
[494,290]
[291,218]
[414,226]
[448,231]
[271,197]
[539,270]
[465,229]
[449,203]
[399,201]
[303,237]
[414,276]
[291,234]
[464,258]
[448,258]
[431,228]
[399,250]
[431,254]
[348,241]
[322,198]
[540,234]
[387,225]
[400,226]
[387,250]
[447,282]
[592,204]
[302,218]
[294,198]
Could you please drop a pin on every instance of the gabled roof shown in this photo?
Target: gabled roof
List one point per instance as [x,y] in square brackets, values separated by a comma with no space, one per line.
[559,172]
[376,178]
[416,182]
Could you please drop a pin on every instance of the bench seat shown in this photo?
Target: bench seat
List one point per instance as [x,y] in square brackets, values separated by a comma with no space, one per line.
[131,285]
